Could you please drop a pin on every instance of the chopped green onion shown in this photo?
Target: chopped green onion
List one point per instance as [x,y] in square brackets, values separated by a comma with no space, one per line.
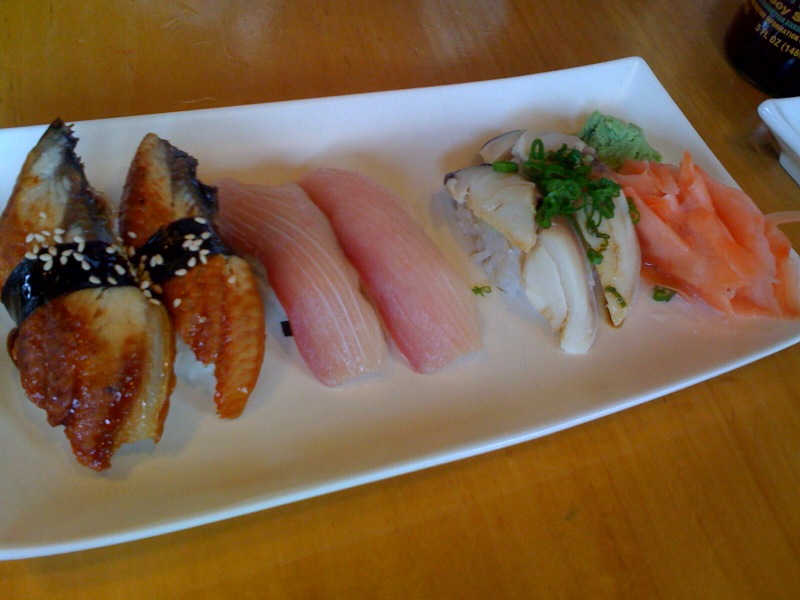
[481,290]
[662,294]
[505,166]
[614,292]
[563,176]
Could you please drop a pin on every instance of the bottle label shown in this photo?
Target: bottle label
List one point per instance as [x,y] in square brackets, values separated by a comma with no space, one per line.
[779,24]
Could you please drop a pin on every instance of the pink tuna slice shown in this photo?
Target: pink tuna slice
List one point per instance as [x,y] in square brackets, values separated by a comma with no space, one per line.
[427,309]
[336,330]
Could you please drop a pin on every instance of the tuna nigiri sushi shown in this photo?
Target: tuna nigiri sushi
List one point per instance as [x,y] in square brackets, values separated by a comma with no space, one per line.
[336,330]
[427,309]
[166,219]
[91,349]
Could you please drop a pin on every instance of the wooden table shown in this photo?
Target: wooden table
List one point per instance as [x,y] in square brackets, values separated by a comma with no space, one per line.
[694,495]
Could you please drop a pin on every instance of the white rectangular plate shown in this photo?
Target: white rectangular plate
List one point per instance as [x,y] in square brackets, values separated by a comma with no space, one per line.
[298,439]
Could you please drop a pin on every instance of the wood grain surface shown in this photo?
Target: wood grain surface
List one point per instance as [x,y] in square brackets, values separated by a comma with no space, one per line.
[694,495]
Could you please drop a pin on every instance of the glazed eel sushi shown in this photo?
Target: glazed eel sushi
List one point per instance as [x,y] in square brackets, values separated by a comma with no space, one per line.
[92,351]
[166,220]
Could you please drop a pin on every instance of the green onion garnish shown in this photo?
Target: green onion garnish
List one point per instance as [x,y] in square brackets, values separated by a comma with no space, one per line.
[662,294]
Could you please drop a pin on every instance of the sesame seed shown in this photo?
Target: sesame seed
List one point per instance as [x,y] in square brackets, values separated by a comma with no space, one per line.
[30,256]
[78,239]
[111,280]
[111,249]
[81,246]
[181,272]
[58,239]
[94,279]
[119,269]
[48,265]
[132,235]
[203,259]
[176,303]
[232,279]
[29,238]
[85,265]
[45,233]
[52,251]
[147,293]
[38,237]
[145,284]
[78,255]
[153,260]
[63,259]
[45,257]
[200,220]
[154,301]
[43,215]
[157,288]
[205,235]
[192,262]
[59,231]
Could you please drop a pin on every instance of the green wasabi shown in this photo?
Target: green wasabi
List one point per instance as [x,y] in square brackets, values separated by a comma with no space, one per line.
[616,141]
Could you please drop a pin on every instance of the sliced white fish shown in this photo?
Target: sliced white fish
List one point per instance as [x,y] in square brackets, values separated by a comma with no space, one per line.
[558,282]
[499,148]
[505,201]
[619,270]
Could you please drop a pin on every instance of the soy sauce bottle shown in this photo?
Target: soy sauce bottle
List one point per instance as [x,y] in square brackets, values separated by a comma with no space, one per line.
[763,44]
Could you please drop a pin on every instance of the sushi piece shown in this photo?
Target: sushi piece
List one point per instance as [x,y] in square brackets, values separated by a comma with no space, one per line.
[92,351]
[336,330]
[548,266]
[166,219]
[427,309]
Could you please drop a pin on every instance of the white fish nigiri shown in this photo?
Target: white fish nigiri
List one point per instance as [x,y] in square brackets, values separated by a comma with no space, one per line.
[336,330]
[426,307]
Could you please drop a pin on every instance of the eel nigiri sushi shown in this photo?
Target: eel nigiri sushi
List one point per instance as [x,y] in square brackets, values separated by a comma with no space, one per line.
[166,219]
[427,309]
[91,349]
[336,330]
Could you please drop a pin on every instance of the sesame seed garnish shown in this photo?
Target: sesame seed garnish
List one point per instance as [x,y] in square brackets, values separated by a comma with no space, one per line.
[176,303]
[85,265]
[203,259]
[78,239]
[191,262]
[45,257]
[200,220]
[205,235]
[58,239]
[59,231]
[154,301]
[111,280]
[63,259]
[78,255]
[232,279]
[43,215]
[181,272]
[132,235]
[147,293]
[111,249]
[52,251]
[119,269]
[45,233]
[93,279]
[47,265]
[29,238]
[30,256]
